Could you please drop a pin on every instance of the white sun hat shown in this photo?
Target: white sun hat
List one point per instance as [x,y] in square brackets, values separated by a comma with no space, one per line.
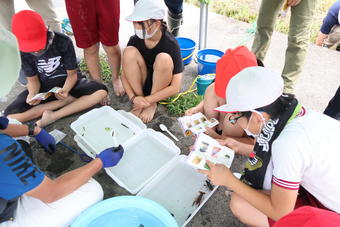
[252,88]
[148,9]
[10,62]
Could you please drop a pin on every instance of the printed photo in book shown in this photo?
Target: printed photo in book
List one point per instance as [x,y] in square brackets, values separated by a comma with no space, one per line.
[196,124]
[207,148]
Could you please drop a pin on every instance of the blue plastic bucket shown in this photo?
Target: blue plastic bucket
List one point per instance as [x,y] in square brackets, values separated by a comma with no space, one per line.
[207,59]
[187,47]
[203,81]
[127,211]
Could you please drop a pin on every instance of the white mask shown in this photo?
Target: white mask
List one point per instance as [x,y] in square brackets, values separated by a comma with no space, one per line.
[142,34]
[249,133]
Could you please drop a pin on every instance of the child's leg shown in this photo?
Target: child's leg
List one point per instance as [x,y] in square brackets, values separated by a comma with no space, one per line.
[88,93]
[246,213]
[37,111]
[134,73]
[114,58]
[162,77]
[78,105]
[91,55]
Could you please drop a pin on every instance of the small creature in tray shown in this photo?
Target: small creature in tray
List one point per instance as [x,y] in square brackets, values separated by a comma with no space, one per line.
[198,199]
[209,185]
[188,217]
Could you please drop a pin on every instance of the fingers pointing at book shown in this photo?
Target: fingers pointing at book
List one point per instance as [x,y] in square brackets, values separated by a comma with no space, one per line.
[218,174]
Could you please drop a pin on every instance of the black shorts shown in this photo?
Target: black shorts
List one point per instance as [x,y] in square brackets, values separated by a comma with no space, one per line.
[81,88]
[147,86]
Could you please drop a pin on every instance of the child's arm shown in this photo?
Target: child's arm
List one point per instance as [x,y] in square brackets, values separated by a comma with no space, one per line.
[71,80]
[33,87]
[171,90]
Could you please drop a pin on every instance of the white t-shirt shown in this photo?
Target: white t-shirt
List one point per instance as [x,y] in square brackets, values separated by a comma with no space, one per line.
[307,153]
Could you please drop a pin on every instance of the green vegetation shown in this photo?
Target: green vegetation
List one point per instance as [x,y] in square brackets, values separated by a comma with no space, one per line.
[246,11]
[183,103]
[104,66]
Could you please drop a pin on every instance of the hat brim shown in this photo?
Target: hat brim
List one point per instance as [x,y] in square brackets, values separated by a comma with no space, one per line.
[33,45]
[226,109]
[136,18]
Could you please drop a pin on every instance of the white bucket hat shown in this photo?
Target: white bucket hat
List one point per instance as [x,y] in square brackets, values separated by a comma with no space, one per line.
[10,62]
[252,88]
[147,9]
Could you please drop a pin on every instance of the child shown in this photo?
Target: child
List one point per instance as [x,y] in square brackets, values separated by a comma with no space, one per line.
[49,60]
[232,62]
[95,23]
[152,63]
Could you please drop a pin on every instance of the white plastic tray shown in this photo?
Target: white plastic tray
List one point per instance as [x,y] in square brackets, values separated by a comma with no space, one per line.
[95,128]
[176,188]
[146,153]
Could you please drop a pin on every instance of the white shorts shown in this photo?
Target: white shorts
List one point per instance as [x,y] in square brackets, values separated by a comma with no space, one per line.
[32,212]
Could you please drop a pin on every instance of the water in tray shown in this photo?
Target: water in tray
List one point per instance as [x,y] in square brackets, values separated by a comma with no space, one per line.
[142,158]
[99,133]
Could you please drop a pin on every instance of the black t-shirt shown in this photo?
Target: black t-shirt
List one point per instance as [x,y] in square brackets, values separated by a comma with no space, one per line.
[167,44]
[53,63]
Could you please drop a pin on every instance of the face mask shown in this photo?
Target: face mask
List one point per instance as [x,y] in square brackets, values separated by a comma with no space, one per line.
[141,33]
[249,133]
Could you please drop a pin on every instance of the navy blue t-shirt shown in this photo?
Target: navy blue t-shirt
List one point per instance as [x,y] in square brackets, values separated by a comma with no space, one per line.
[18,174]
[331,19]
[53,64]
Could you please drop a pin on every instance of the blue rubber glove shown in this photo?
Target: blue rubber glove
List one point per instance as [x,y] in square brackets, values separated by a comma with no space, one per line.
[111,156]
[46,141]
[3,123]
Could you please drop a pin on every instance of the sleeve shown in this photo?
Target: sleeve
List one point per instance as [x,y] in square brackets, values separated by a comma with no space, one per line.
[132,41]
[28,65]
[328,23]
[289,160]
[69,55]
[177,59]
[18,174]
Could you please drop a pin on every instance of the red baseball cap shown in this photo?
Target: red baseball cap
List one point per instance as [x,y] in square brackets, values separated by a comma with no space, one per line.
[30,30]
[231,63]
[308,216]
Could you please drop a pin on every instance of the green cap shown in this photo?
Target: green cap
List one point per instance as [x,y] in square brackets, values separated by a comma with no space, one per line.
[10,62]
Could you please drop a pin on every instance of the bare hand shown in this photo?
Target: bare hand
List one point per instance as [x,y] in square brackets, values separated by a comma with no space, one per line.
[32,102]
[219,174]
[294,2]
[231,143]
[62,94]
[140,102]
[320,39]
[190,111]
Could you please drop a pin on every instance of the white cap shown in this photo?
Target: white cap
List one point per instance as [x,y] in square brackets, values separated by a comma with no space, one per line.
[252,88]
[147,9]
[10,62]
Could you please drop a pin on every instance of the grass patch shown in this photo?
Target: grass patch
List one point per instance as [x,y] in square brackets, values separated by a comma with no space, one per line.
[104,68]
[183,103]
[246,11]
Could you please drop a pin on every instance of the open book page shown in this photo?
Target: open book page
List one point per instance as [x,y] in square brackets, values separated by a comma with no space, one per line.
[45,95]
[207,148]
[196,124]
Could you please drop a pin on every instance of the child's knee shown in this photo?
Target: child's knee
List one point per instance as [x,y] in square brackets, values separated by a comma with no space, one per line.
[94,49]
[163,62]
[130,53]
[237,206]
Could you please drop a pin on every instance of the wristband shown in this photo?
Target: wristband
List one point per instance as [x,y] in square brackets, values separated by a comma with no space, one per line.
[31,128]
[132,98]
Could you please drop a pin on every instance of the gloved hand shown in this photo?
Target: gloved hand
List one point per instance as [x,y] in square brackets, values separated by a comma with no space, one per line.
[111,156]
[3,123]
[46,141]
